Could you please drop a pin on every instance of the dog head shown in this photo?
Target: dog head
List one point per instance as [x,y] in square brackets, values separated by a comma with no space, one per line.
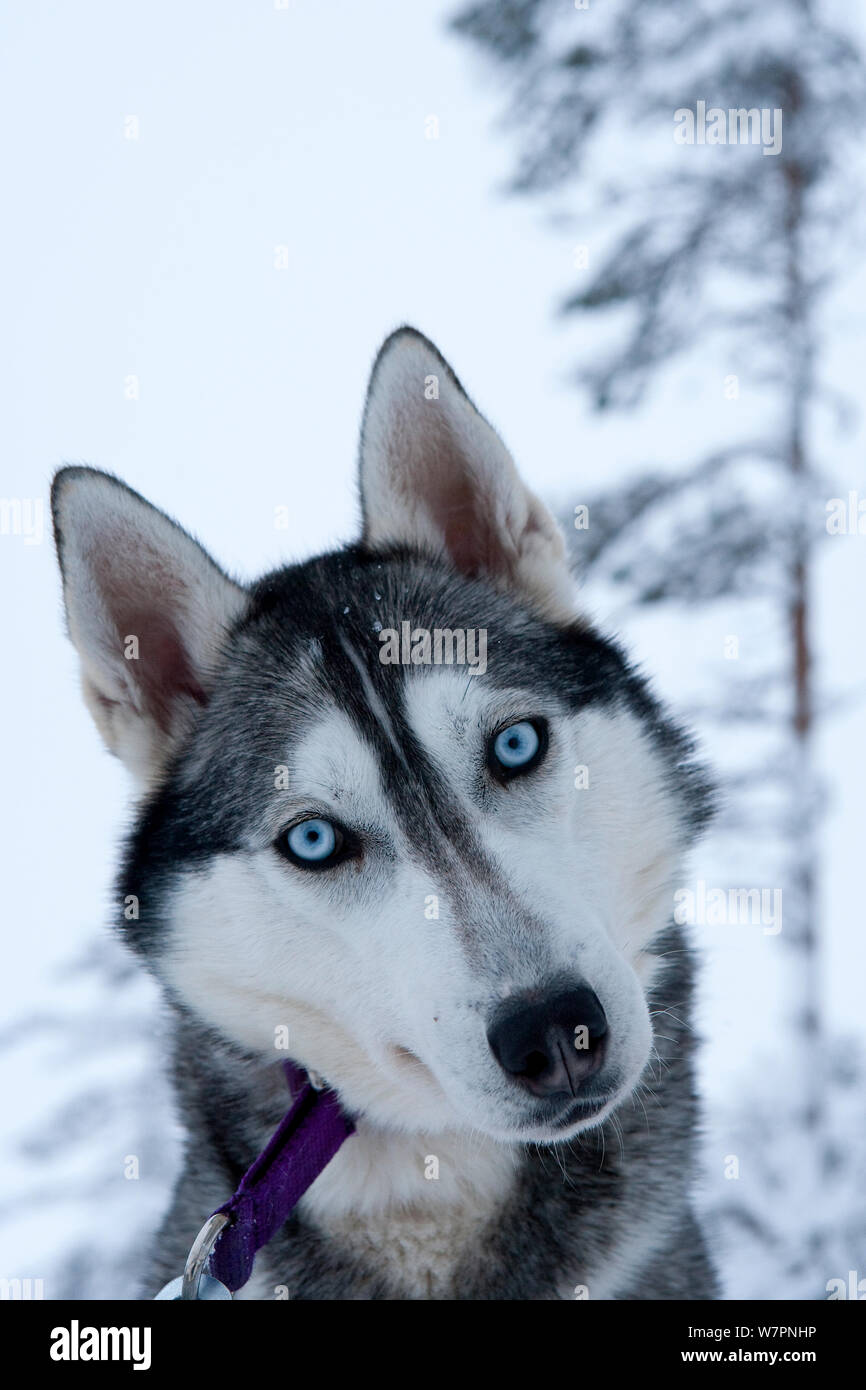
[406,818]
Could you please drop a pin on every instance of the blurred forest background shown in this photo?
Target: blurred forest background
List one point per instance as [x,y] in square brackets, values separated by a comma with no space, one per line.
[694,272]
[736,243]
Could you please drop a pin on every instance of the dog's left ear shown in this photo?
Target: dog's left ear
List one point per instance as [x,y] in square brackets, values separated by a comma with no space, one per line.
[435,474]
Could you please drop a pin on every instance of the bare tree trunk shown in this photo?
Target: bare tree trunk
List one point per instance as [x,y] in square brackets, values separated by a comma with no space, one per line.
[805,936]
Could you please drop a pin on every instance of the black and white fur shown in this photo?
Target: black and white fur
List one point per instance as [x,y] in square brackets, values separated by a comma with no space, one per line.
[535,882]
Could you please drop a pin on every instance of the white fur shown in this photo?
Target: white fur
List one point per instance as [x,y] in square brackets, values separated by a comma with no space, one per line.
[392,1007]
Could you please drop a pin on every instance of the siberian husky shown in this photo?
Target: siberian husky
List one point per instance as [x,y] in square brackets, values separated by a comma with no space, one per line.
[448,890]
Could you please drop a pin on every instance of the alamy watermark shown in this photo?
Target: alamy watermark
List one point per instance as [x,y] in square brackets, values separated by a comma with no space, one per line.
[729,907]
[439,646]
[738,125]
[77,1343]
[846,516]
[23,516]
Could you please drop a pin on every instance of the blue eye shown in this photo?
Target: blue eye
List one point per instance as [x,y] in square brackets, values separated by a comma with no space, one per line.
[313,842]
[517,746]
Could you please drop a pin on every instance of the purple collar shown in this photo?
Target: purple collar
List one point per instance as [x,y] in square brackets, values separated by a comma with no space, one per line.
[299,1150]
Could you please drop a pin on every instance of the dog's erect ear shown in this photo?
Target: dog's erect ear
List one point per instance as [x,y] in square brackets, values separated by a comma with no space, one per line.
[147,610]
[436,475]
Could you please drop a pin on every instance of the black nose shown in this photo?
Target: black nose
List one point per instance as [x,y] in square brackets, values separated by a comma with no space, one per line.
[551,1045]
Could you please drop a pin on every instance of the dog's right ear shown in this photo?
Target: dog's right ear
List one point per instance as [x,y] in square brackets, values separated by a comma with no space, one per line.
[147,610]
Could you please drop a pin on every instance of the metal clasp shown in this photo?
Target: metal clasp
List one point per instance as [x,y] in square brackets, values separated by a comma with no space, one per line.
[194,1283]
[200,1254]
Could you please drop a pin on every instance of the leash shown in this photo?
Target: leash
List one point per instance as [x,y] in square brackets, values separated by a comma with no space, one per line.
[301,1147]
